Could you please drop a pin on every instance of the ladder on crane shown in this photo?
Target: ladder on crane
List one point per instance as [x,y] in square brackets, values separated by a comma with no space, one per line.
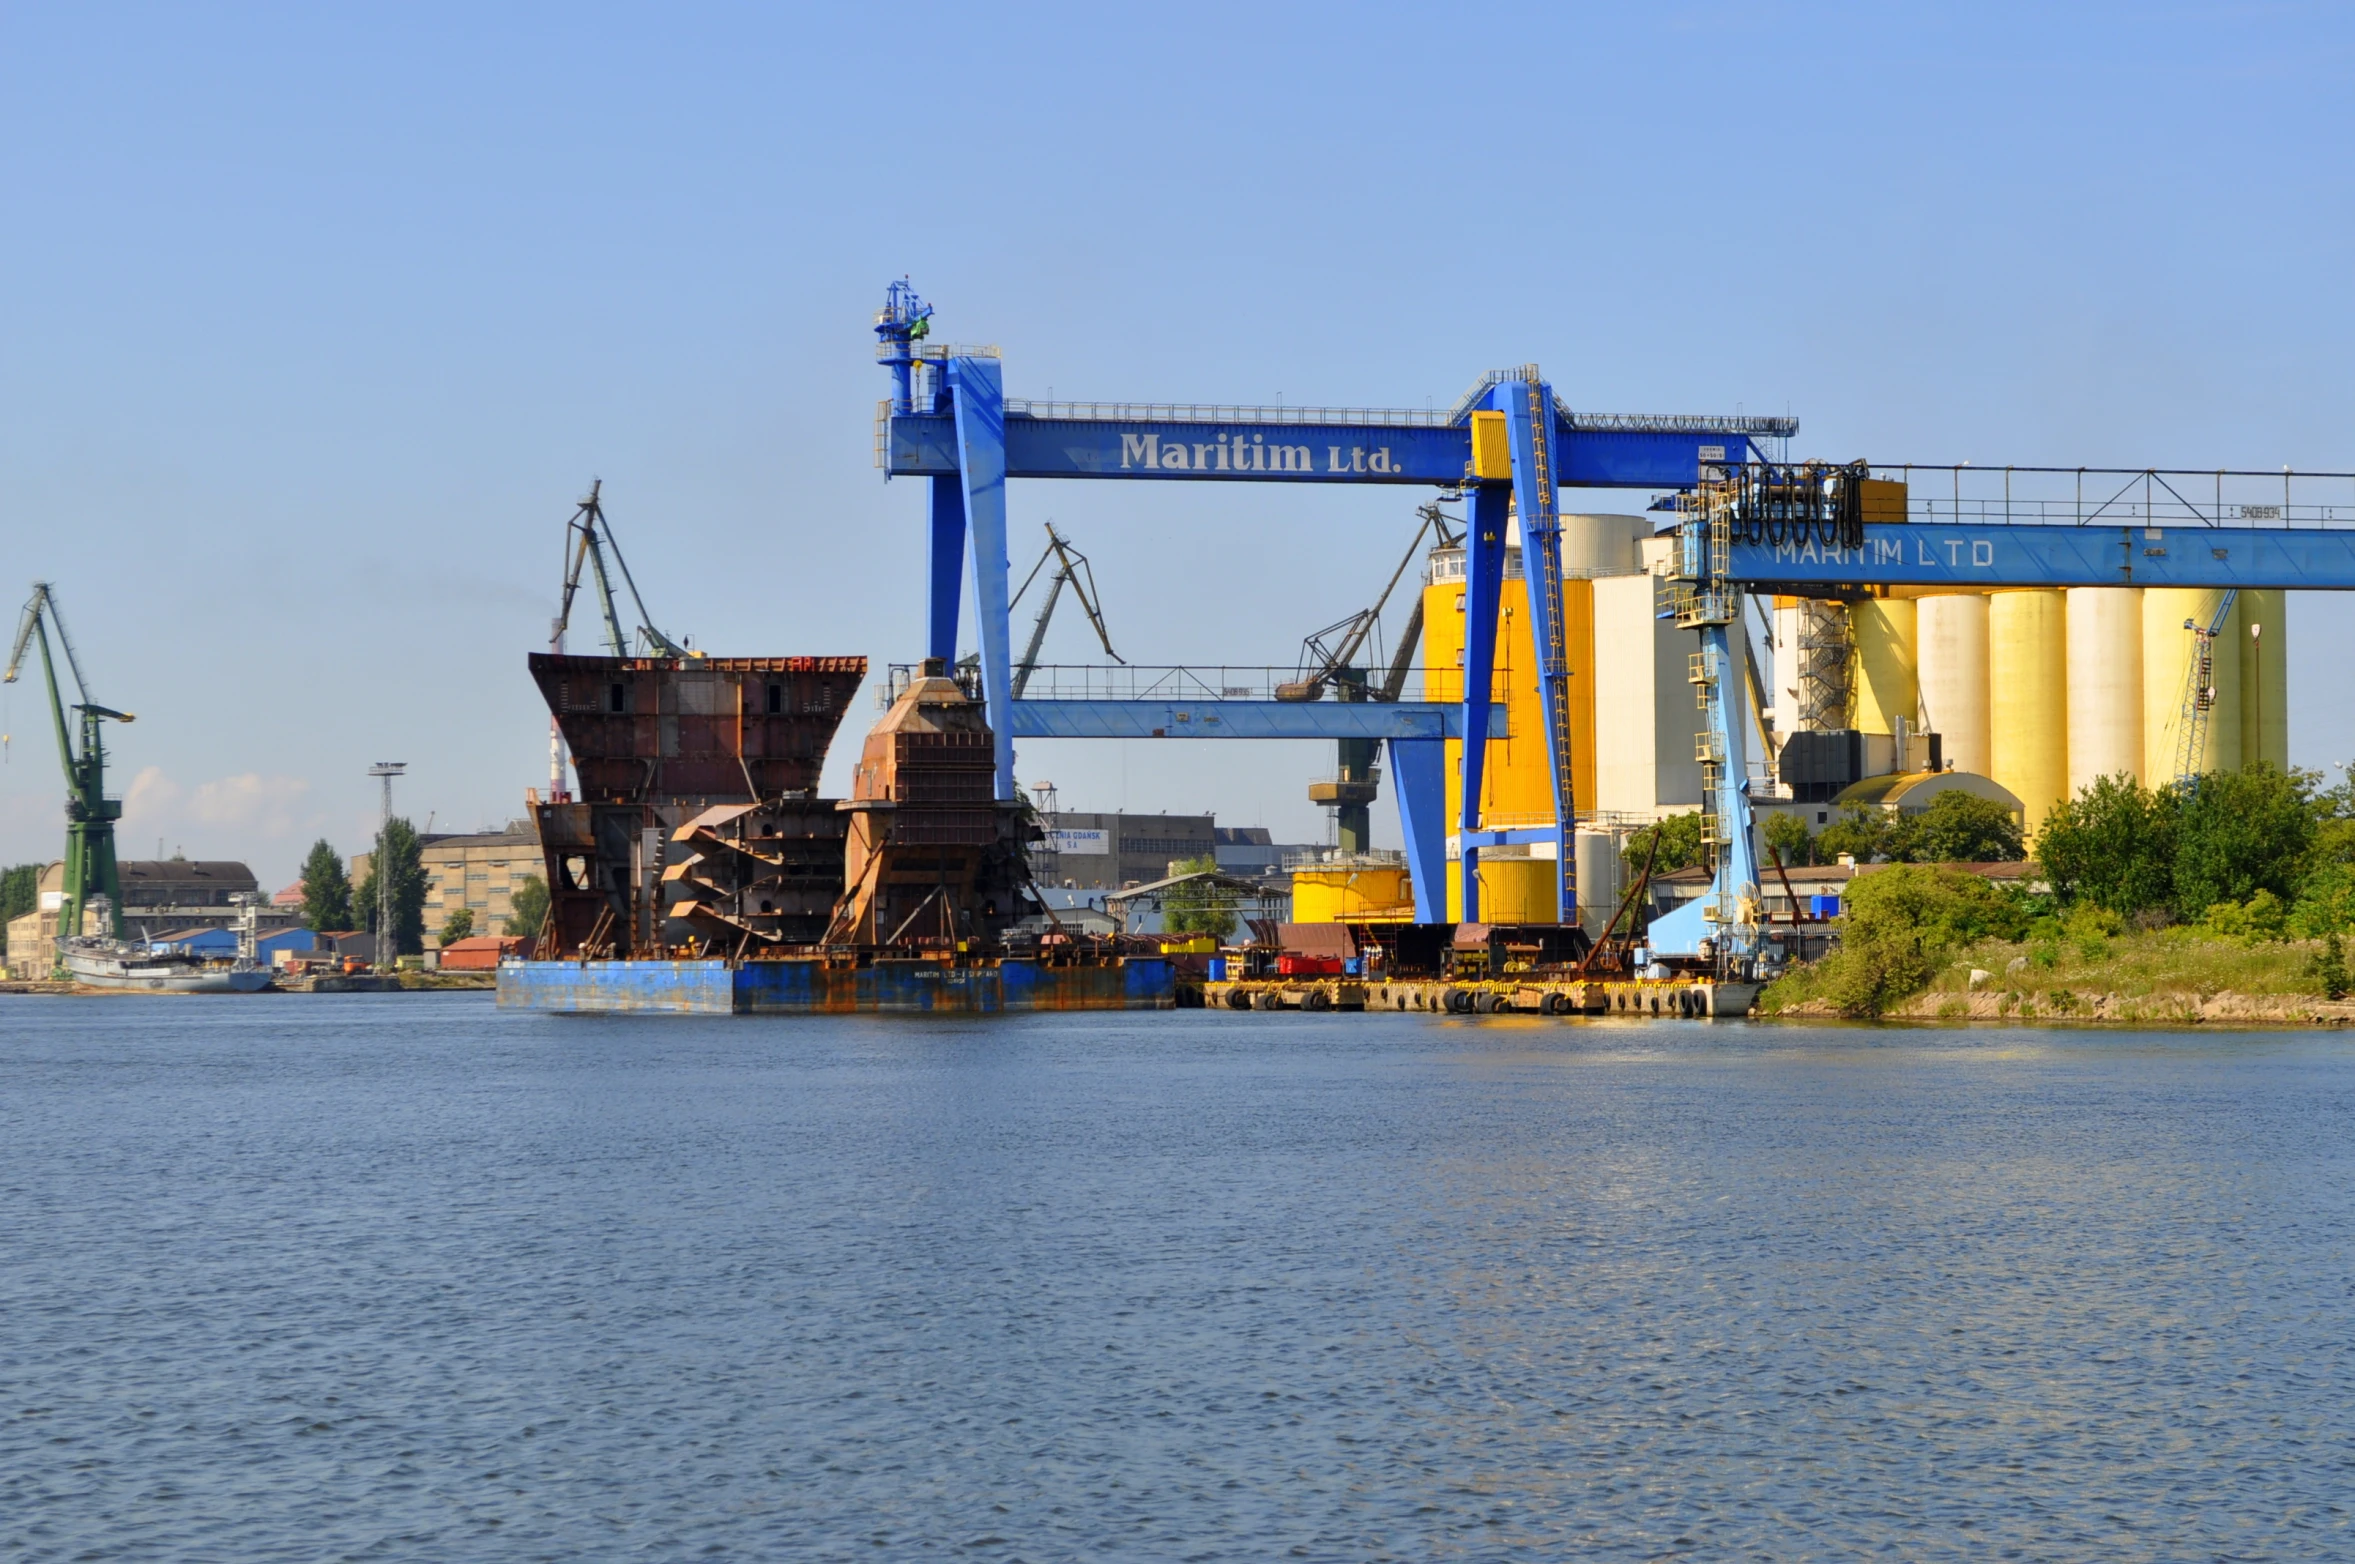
[2199,695]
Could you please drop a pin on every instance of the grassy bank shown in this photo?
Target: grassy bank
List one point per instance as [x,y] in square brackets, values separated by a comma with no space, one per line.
[2177,974]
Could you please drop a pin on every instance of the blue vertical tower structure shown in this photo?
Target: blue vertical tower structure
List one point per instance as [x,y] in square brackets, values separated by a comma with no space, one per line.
[1508,447]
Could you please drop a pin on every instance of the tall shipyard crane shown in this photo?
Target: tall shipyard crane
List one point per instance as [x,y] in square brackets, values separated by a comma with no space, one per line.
[587,538]
[89,814]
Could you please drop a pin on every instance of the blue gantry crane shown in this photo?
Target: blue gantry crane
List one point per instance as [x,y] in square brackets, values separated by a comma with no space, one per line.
[1745,523]
[1509,443]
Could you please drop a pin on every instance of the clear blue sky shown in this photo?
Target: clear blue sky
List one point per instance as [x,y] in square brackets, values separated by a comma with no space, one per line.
[318,319]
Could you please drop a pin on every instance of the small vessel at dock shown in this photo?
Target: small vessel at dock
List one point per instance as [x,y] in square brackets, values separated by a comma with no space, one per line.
[98,962]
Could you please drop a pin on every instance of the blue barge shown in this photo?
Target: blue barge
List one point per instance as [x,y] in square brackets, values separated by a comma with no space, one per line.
[818,987]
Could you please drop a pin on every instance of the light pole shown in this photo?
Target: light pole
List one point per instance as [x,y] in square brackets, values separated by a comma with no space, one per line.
[385,770]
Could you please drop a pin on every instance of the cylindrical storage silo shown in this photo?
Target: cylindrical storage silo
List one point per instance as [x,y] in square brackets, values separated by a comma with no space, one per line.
[2028,698]
[1597,856]
[1512,890]
[2265,672]
[1950,638]
[1885,686]
[1604,545]
[1785,693]
[2105,684]
[2167,649]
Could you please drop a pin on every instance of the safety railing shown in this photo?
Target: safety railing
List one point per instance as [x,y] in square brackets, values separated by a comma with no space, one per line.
[1964,495]
[1109,682]
[1224,413]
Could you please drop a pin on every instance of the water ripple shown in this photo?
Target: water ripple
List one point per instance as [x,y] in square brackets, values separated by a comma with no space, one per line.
[377,1277]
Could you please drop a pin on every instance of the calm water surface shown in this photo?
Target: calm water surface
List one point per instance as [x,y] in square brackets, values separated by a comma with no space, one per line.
[404,1277]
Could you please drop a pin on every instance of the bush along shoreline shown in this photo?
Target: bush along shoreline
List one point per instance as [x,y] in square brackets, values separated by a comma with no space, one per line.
[2233,901]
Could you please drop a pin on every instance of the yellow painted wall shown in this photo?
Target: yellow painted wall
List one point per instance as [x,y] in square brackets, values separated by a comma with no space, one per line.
[2028,698]
[1883,669]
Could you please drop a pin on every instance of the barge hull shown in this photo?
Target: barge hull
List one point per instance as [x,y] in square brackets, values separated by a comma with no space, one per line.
[814,988]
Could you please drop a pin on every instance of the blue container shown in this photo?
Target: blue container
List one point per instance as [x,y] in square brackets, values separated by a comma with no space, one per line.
[1824,906]
[1354,966]
[1218,969]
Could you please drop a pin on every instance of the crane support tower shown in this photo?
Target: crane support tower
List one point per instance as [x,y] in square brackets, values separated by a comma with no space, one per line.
[1509,443]
[90,815]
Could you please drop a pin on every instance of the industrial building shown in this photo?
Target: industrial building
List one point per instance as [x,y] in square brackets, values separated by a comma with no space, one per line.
[1087,850]
[478,871]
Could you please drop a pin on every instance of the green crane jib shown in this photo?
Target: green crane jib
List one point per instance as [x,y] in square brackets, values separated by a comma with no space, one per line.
[89,814]
[590,535]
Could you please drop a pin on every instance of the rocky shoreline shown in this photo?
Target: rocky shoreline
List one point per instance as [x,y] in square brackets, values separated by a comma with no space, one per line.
[2180,1008]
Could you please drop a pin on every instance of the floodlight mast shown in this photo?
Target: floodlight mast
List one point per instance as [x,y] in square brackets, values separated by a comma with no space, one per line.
[385,771]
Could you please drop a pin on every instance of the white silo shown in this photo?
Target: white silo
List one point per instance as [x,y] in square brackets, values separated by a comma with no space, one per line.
[2105,684]
[1951,650]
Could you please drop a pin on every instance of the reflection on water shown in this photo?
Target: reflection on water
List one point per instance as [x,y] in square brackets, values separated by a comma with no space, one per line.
[406,1277]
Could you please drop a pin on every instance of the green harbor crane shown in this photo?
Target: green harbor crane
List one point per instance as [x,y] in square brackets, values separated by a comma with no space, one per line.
[89,814]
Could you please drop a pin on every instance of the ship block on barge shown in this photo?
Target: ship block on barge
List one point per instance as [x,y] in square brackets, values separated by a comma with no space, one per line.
[700,873]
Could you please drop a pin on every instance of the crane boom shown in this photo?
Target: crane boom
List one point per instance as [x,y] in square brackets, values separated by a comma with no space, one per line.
[591,536]
[1072,570]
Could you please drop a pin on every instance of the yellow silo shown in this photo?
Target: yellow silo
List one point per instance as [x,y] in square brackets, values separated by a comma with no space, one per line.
[2028,698]
[1512,890]
[2265,671]
[1517,787]
[1951,658]
[2105,684]
[2166,664]
[1352,893]
[1883,670]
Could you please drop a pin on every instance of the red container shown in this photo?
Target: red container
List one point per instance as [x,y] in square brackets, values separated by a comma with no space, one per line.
[1308,966]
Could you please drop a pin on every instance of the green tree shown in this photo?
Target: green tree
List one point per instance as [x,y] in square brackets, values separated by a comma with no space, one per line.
[1867,835]
[397,846]
[2329,969]
[1899,925]
[2326,901]
[1680,845]
[530,903]
[20,890]
[2114,845]
[1194,908]
[327,890]
[458,925]
[1958,827]
[1788,835]
[2240,832]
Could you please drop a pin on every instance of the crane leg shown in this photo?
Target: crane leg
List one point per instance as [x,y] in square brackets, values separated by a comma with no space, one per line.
[946,583]
[981,465]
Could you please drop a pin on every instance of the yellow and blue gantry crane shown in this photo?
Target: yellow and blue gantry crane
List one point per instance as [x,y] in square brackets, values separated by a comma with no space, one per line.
[1745,522]
[1510,441]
